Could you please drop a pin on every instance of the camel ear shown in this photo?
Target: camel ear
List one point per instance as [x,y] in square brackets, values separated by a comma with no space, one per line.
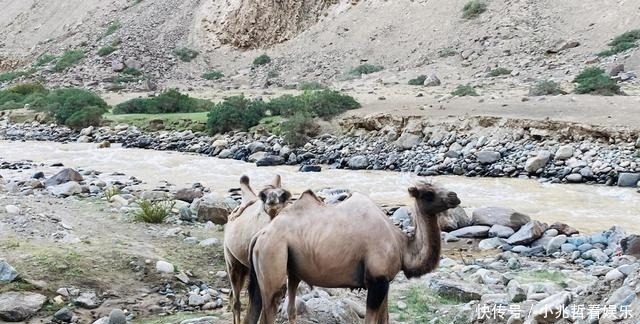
[277,182]
[247,193]
[413,192]
[263,196]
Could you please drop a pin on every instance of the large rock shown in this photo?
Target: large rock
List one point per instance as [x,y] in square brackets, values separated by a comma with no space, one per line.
[214,208]
[117,316]
[64,176]
[358,162]
[490,243]
[270,160]
[528,233]
[87,300]
[328,310]
[488,157]
[538,162]
[500,231]
[7,272]
[563,228]
[66,189]
[631,245]
[629,180]
[564,152]
[188,194]
[431,80]
[18,306]
[454,219]
[408,140]
[499,216]
[549,310]
[458,290]
[477,231]
[165,267]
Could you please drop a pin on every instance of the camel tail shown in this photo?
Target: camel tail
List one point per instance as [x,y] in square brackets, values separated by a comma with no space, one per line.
[255,295]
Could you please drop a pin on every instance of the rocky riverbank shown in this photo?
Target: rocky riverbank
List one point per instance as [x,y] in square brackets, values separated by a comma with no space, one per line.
[499,265]
[474,146]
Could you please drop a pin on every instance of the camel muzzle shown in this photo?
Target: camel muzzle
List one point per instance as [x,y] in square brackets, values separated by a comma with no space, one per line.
[453,200]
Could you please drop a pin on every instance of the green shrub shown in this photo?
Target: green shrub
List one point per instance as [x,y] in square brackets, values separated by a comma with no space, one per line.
[447,51]
[132,71]
[618,48]
[418,81]
[72,107]
[262,60]
[299,128]
[545,88]
[628,37]
[234,113]
[10,76]
[106,50]
[311,86]
[170,101]
[213,75]
[473,9]
[464,90]
[186,54]
[594,80]
[68,59]
[365,69]
[112,28]
[324,103]
[27,88]
[499,71]
[154,212]
[44,59]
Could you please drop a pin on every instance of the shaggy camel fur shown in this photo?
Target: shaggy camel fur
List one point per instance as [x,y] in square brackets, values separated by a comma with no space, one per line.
[349,245]
[251,216]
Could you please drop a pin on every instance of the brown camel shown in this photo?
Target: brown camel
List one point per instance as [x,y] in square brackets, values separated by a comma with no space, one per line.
[349,245]
[251,216]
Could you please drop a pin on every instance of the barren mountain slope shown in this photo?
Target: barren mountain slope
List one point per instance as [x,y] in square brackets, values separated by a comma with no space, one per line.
[317,39]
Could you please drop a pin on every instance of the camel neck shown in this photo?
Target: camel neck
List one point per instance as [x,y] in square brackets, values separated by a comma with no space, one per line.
[422,254]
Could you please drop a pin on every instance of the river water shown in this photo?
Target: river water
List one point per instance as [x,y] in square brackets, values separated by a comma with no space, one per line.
[588,208]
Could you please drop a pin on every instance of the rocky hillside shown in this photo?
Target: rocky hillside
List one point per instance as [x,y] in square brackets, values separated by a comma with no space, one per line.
[312,39]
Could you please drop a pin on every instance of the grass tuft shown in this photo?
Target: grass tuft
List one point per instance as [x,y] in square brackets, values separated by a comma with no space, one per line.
[213,75]
[262,60]
[464,90]
[595,81]
[186,54]
[499,72]
[154,212]
[473,9]
[68,59]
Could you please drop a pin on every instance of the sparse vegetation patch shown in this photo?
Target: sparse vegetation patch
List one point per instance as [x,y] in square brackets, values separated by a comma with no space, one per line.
[473,9]
[299,128]
[112,28]
[418,81]
[170,101]
[68,59]
[594,80]
[365,69]
[44,59]
[545,88]
[262,60]
[464,90]
[104,51]
[447,51]
[499,71]
[186,54]
[311,85]
[154,212]
[622,43]
[213,75]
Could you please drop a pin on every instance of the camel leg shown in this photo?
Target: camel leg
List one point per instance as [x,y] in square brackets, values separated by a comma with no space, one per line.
[377,290]
[383,317]
[237,275]
[292,288]
[270,266]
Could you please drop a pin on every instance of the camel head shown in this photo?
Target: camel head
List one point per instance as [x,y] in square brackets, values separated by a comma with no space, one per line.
[274,198]
[432,199]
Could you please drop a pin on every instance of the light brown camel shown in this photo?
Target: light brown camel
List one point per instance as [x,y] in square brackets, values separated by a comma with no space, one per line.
[349,245]
[255,212]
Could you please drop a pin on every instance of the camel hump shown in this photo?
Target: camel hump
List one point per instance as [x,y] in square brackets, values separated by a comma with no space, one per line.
[307,199]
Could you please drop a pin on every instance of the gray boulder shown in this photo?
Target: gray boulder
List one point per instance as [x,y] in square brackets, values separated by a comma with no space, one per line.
[458,290]
[555,244]
[87,300]
[408,140]
[488,157]
[629,180]
[214,208]
[528,233]
[188,194]
[548,309]
[500,231]
[66,189]
[117,316]
[476,231]
[358,162]
[64,176]
[201,320]
[454,219]
[490,243]
[7,272]
[538,162]
[19,306]
[564,152]
[432,80]
[270,160]
[499,216]
[64,315]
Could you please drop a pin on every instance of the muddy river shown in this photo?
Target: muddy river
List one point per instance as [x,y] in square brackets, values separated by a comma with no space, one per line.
[588,208]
